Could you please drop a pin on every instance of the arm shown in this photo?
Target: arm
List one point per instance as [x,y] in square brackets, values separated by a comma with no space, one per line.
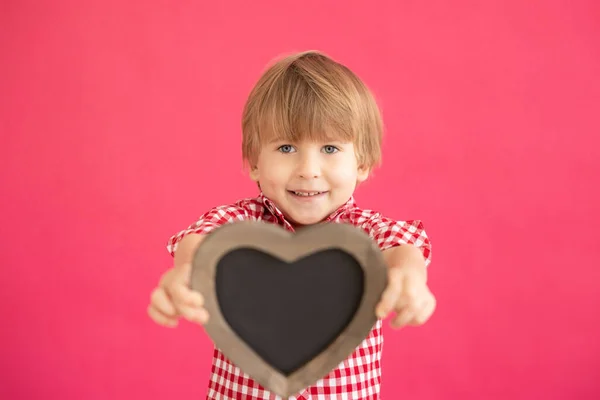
[183,244]
[406,256]
[172,298]
[407,253]
[186,248]
[399,240]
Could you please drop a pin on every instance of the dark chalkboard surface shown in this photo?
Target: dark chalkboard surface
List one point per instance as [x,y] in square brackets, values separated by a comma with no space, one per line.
[288,313]
[285,307]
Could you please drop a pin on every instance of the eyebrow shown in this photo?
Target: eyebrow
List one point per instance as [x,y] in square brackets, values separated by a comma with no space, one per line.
[275,140]
[325,141]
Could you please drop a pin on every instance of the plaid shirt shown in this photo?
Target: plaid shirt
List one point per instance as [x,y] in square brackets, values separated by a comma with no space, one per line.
[357,377]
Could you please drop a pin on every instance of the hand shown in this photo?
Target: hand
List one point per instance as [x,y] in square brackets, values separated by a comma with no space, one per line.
[408,295]
[173,299]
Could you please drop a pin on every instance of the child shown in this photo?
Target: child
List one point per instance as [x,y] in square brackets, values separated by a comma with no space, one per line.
[311,133]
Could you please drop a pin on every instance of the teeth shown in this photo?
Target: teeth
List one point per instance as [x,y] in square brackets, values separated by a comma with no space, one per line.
[306,194]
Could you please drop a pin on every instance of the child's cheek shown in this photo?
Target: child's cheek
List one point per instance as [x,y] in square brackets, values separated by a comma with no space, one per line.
[276,178]
[343,172]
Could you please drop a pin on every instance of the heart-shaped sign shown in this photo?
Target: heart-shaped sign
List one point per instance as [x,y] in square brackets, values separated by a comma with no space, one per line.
[287,308]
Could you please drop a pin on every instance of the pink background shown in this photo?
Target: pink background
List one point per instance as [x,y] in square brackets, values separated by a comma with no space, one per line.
[115,117]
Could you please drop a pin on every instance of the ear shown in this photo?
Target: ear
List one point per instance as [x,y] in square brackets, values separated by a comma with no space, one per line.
[254,175]
[363,173]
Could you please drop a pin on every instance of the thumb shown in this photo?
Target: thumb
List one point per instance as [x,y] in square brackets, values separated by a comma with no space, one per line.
[391,294]
[184,273]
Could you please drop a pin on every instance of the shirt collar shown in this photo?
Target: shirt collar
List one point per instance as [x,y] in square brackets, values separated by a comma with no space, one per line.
[273,209]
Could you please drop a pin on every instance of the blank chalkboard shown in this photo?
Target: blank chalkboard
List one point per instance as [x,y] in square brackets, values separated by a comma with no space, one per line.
[288,313]
[287,308]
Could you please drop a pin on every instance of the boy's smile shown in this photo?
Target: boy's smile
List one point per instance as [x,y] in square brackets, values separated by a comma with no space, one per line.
[303,197]
[308,180]
[301,193]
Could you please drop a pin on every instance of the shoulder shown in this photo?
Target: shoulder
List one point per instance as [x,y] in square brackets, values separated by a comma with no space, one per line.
[389,232]
[240,209]
[243,209]
[364,217]
[373,219]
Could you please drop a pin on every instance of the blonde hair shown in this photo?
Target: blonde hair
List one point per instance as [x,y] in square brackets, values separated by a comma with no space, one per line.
[309,96]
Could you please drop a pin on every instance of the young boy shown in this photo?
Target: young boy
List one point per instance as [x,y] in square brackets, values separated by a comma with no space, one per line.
[311,133]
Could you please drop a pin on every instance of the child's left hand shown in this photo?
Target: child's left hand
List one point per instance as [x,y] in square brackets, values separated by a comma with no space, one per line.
[407,293]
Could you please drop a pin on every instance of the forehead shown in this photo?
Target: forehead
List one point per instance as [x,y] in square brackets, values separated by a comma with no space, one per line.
[306,138]
[303,129]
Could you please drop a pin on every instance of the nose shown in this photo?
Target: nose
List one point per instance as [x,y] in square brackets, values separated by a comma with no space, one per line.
[308,166]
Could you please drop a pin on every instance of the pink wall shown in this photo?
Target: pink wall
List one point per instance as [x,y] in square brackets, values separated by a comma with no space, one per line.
[115,116]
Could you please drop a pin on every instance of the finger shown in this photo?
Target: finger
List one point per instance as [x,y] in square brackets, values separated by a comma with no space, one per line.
[412,295]
[391,294]
[178,274]
[195,315]
[161,302]
[185,271]
[402,318]
[388,300]
[410,290]
[416,304]
[184,296]
[425,313]
[161,319]
[177,286]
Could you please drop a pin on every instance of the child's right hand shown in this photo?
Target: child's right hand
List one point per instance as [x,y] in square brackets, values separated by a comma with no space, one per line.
[173,299]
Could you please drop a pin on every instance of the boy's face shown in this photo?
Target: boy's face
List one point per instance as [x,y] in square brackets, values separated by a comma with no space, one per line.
[308,180]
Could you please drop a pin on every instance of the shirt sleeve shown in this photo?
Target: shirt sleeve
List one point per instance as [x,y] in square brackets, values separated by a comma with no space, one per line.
[389,233]
[207,222]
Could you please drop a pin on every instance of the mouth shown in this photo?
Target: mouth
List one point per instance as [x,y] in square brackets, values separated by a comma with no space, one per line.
[304,193]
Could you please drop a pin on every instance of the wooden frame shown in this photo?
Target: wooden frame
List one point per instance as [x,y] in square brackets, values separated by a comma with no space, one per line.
[288,246]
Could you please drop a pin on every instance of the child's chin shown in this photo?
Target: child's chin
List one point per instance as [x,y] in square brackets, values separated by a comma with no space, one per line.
[309,220]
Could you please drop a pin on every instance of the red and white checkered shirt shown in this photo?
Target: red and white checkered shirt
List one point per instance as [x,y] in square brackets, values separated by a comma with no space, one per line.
[359,376]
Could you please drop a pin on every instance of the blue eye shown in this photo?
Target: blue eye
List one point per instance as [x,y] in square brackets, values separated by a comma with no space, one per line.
[330,149]
[286,148]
